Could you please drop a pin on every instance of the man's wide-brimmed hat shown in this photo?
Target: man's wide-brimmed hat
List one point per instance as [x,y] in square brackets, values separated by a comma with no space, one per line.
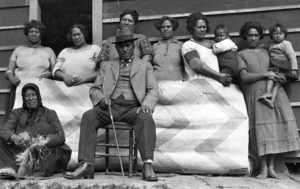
[124,35]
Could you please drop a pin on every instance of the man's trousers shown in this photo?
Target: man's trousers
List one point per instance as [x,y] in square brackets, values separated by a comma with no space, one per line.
[122,110]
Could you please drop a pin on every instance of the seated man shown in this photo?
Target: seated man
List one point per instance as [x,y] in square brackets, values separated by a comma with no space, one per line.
[128,85]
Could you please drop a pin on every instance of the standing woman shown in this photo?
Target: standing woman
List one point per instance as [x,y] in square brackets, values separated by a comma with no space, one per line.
[167,59]
[271,131]
[143,48]
[199,59]
[77,65]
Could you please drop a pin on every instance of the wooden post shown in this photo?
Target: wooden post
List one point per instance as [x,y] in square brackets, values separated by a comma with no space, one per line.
[97,22]
[34,10]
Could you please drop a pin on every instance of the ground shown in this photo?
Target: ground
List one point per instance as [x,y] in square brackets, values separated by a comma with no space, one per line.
[166,181]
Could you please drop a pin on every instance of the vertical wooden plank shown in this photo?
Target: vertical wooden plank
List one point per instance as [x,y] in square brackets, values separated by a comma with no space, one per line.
[97,22]
[34,10]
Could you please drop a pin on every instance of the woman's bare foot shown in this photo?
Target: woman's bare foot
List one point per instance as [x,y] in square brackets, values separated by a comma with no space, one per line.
[263,174]
[267,102]
[273,174]
[265,95]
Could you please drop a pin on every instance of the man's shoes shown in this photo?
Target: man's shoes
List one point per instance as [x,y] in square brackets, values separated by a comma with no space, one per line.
[148,173]
[85,170]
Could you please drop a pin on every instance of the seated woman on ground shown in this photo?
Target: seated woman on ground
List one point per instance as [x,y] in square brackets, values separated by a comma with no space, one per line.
[167,59]
[32,59]
[199,59]
[77,65]
[34,133]
[143,48]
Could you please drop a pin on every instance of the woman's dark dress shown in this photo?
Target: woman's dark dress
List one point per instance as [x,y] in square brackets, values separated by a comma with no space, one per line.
[46,123]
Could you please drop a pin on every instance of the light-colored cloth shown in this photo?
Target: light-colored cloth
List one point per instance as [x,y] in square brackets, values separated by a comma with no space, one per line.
[198,124]
[225,45]
[78,62]
[272,131]
[206,55]
[167,60]
[284,51]
[142,80]
[142,47]
[31,62]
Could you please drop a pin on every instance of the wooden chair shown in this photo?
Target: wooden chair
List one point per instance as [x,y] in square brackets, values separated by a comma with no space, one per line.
[132,147]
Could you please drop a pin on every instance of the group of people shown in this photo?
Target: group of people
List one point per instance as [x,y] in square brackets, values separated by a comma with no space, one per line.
[125,72]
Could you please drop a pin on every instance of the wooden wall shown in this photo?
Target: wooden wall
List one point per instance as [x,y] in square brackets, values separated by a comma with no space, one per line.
[13,13]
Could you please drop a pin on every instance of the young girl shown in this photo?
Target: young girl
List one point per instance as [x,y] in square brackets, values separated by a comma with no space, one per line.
[283,61]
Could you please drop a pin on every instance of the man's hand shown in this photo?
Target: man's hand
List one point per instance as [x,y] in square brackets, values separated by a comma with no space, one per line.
[104,103]
[145,109]
[16,139]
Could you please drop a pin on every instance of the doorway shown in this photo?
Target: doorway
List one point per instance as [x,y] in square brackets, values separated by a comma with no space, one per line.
[58,16]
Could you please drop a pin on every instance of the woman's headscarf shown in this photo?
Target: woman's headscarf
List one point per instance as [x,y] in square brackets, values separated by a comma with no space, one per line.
[37,91]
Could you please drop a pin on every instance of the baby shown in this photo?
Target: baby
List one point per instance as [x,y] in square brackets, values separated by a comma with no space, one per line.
[226,51]
[283,61]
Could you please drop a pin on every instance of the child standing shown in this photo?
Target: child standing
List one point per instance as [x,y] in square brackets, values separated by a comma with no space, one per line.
[283,61]
[226,51]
